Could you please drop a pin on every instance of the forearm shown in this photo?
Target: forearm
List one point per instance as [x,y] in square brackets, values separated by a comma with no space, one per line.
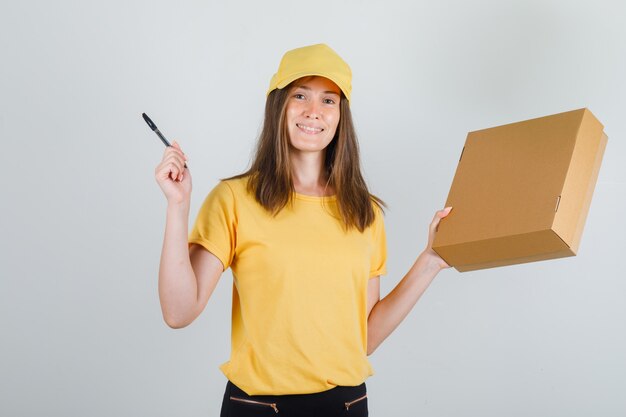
[389,312]
[177,282]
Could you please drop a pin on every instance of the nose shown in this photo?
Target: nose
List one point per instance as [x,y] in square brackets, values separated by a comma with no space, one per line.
[312,110]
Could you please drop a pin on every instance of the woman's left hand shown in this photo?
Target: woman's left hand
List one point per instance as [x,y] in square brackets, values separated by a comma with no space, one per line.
[429,252]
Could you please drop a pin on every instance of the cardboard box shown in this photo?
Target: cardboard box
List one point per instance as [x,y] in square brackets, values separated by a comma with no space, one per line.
[522,191]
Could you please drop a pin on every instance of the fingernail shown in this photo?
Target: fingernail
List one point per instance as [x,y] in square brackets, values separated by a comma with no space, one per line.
[448,208]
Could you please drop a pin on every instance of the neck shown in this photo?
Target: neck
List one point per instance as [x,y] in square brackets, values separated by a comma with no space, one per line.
[308,173]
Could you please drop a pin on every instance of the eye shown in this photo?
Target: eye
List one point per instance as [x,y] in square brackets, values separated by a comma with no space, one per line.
[329,101]
[298,96]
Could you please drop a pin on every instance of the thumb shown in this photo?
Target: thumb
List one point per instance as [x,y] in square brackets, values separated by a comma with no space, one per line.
[175,144]
[443,213]
[440,214]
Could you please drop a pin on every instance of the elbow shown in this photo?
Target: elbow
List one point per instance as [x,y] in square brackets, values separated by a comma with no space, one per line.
[175,323]
[176,318]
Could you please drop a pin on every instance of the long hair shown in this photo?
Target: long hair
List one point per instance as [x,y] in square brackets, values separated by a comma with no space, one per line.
[270,174]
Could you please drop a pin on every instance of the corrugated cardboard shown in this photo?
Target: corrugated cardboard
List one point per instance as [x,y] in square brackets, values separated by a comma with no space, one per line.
[522,191]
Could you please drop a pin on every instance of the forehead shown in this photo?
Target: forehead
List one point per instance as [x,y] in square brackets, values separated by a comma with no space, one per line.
[317,82]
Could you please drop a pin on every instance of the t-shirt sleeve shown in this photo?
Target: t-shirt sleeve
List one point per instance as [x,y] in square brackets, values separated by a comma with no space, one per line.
[215,226]
[378,262]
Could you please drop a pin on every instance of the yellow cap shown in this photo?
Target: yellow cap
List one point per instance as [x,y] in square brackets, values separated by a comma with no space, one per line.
[318,60]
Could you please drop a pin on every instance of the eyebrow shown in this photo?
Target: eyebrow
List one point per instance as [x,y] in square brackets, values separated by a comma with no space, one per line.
[304,87]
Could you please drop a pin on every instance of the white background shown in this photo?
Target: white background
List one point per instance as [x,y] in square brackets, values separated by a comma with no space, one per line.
[83,218]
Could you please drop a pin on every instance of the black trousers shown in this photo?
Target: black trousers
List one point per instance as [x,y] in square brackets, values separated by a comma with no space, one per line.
[338,401]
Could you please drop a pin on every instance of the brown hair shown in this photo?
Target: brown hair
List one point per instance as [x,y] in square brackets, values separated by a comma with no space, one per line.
[270,173]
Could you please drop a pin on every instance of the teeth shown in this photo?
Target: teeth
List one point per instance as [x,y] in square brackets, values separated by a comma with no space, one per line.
[310,129]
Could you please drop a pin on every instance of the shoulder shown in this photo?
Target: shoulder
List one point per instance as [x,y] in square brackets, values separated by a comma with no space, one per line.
[234,186]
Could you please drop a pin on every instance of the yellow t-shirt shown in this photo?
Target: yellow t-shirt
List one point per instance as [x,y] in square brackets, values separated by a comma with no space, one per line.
[299,312]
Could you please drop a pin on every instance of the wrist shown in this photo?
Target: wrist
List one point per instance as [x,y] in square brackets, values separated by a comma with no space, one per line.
[432,261]
[178,207]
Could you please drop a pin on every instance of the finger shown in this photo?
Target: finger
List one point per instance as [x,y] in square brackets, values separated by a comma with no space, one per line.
[180,164]
[183,160]
[166,171]
[173,168]
[440,214]
[180,154]
[173,165]
[183,154]
[176,146]
[171,150]
[173,156]
[181,170]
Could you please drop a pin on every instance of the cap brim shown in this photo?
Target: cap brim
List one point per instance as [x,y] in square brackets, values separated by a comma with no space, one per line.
[284,83]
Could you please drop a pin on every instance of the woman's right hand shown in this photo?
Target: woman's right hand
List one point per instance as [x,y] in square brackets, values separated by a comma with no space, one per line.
[172,176]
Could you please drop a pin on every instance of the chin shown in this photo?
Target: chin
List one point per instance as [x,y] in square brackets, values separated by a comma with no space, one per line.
[309,146]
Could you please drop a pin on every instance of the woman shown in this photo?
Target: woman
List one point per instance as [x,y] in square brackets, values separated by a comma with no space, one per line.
[306,243]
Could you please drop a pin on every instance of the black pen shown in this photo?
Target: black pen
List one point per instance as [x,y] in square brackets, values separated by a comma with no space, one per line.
[156,130]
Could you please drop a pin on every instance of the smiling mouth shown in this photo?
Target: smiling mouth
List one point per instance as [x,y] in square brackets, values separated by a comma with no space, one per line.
[310,130]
